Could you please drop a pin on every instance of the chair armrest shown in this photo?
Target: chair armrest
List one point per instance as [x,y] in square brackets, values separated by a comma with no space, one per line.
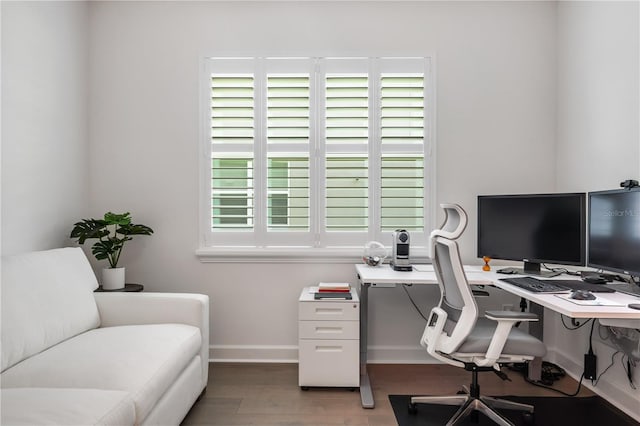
[510,315]
[506,320]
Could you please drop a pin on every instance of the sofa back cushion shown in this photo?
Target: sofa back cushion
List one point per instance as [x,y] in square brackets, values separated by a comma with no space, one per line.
[47,297]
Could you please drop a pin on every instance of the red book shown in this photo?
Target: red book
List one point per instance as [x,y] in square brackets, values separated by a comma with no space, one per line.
[334,287]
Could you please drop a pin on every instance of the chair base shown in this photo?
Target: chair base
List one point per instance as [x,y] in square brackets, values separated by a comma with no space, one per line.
[468,404]
[471,403]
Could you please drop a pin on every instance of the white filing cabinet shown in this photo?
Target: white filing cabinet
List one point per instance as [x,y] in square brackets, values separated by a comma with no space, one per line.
[328,341]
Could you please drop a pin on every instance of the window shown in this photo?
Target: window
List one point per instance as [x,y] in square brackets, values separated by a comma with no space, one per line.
[316,152]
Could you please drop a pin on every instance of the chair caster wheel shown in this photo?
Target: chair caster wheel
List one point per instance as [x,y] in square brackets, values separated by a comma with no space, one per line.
[412,408]
[528,419]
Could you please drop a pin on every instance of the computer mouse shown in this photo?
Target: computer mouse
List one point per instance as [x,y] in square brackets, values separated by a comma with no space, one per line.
[507,271]
[594,279]
[582,295]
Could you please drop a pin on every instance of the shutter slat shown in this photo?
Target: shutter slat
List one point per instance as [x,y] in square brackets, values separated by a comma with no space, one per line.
[288,191]
[347,201]
[402,193]
[232,193]
[346,109]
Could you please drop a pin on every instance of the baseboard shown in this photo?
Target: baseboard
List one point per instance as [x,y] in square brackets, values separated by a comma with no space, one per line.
[253,353]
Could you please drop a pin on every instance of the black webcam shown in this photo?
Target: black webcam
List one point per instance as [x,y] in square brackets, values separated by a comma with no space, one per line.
[629,183]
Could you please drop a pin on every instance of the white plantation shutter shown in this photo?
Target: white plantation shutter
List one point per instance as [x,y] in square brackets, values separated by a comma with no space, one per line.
[232,126]
[315,152]
[288,137]
[347,109]
[402,142]
[402,189]
[346,139]
[346,194]
[288,193]
[402,109]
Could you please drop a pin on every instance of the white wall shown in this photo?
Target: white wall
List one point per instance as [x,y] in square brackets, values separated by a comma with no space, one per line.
[495,65]
[598,84]
[511,79]
[598,142]
[44,123]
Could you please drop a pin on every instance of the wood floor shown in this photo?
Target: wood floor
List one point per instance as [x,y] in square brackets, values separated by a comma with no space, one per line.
[268,394]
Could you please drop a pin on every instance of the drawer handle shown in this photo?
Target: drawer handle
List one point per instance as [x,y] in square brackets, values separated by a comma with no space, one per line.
[328,311]
[328,329]
[328,348]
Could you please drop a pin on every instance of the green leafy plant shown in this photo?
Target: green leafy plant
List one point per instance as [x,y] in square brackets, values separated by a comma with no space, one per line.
[112,232]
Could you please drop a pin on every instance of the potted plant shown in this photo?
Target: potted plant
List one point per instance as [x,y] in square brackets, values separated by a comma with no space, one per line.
[112,232]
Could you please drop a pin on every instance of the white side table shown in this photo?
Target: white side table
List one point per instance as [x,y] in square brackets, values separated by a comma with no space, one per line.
[328,341]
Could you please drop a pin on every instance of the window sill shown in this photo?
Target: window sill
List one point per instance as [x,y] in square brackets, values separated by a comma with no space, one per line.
[289,255]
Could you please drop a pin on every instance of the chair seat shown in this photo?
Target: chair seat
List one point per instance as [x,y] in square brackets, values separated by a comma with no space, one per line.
[518,342]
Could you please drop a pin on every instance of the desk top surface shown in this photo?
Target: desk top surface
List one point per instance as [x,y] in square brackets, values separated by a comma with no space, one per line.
[424,274]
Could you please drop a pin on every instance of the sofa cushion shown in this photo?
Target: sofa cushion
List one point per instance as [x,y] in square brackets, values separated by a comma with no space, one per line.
[143,360]
[47,297]
[52,406]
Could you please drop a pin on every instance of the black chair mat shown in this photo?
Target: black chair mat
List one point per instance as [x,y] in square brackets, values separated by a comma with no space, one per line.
[549,411]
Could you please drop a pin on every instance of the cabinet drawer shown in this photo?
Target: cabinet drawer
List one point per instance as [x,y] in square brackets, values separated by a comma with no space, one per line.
[328,329]
[328,311]
[329,363]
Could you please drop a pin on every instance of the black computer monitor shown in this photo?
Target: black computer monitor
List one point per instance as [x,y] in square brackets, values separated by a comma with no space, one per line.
[614,231]
[533,228]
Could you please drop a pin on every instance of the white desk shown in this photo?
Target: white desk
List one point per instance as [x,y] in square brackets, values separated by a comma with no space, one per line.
[384,276]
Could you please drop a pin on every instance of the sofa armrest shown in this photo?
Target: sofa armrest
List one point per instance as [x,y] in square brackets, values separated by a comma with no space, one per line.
[158,308]
[152,308]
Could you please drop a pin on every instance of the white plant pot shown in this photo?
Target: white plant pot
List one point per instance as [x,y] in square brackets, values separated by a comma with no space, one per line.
[112,278]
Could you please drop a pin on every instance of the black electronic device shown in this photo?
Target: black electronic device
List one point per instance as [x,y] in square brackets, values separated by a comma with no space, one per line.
[556,286]
[535,285]
[594,279]
[533,228]
[332,295]
[400,251]
[582,295]
[629,183]
[508,271]
[614,231]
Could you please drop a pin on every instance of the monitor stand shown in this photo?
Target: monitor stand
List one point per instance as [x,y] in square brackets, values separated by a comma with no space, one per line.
[533,268]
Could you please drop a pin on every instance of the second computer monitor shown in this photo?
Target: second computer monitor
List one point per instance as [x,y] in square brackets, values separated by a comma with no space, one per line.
[533,228]
[614,230]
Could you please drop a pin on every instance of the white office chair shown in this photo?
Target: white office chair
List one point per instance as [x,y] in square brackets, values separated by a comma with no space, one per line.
[455,335]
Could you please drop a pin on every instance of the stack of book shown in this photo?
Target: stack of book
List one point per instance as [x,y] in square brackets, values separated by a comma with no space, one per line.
[333,291]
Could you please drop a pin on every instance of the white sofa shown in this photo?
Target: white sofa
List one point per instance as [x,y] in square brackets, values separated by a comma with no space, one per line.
[74,357]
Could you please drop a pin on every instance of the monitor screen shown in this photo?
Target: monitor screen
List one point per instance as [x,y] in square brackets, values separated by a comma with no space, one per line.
[614,230]
[534,228]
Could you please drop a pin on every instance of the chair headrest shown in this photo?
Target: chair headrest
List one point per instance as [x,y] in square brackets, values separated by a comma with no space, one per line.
[454,224]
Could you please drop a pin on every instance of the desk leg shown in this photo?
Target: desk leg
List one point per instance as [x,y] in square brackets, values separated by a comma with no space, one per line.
[536,329]
[366,394]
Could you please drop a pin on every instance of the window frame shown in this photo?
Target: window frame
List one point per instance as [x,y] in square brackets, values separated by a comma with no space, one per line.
[339,250]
